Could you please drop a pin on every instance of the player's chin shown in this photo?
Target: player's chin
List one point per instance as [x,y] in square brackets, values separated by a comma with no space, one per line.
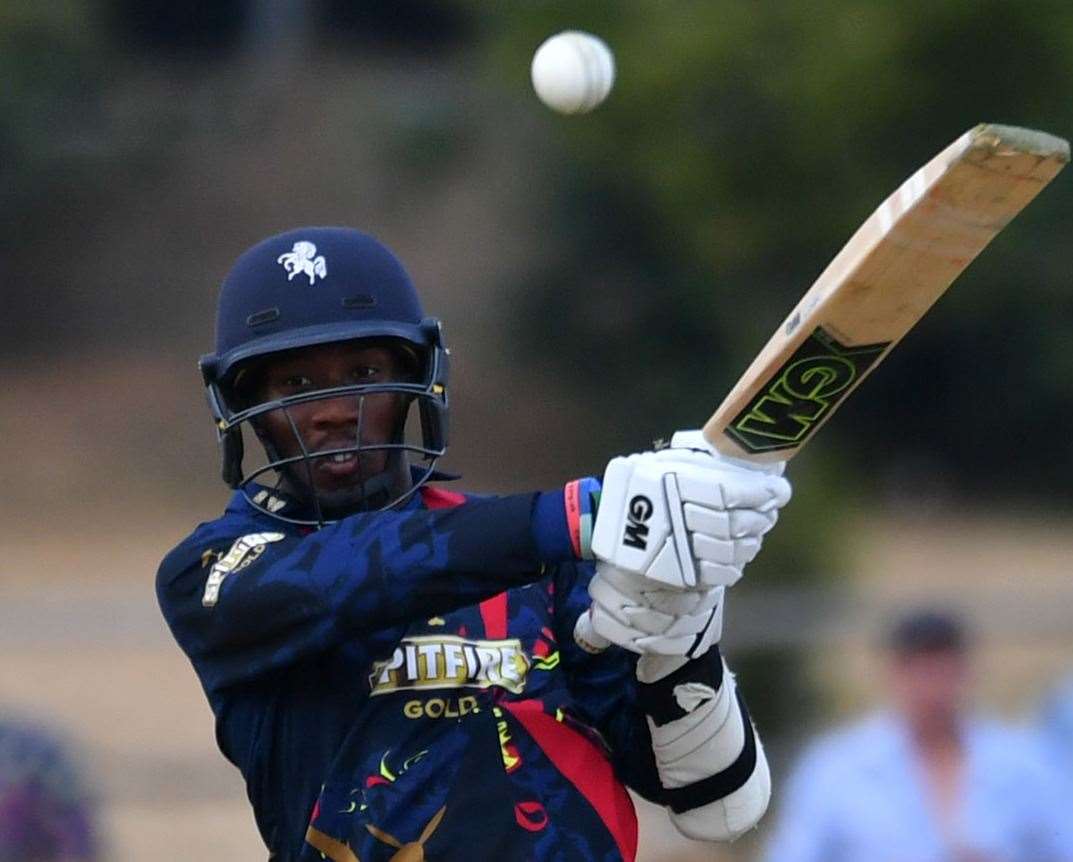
[337,499]
[341,502]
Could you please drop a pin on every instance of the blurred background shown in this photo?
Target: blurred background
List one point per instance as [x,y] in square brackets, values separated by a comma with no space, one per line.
[603,280]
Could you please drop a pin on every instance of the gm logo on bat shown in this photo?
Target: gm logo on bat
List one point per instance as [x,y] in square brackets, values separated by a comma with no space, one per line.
[637,514]
[811,383]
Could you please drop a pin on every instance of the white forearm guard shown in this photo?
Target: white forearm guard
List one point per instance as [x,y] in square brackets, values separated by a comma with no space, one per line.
[711,763]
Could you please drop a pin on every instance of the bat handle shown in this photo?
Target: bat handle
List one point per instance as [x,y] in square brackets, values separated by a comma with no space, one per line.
[586,636]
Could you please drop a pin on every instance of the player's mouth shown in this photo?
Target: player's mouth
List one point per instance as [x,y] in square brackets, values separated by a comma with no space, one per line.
[340,469]
[338,466]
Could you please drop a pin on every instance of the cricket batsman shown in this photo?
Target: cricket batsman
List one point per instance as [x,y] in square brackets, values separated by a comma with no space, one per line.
[392,665]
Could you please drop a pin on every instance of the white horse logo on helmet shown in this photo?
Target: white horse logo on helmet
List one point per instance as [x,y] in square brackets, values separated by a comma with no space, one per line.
[303,259]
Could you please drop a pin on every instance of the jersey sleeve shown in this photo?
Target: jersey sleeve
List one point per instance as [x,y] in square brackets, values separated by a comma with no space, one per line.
[604,687]
[243,601]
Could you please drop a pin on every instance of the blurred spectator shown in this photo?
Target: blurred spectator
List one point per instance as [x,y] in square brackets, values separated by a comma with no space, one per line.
[925,780]
[1055,730]
[45,814]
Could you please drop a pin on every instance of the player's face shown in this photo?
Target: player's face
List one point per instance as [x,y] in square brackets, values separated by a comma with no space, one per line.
[930,687]
[339,481]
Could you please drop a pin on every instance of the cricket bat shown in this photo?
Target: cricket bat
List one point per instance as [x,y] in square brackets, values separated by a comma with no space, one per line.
[892,270]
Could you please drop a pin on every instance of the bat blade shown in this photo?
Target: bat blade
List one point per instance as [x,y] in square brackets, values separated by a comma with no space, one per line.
[897,264]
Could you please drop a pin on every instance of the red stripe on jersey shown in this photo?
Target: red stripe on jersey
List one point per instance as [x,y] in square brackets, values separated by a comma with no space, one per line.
[437,498]
[582,763]
[494,614]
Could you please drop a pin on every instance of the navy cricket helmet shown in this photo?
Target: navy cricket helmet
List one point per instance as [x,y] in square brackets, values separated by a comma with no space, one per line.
[313,286]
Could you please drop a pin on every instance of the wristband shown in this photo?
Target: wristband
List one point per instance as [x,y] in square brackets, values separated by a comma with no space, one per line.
[562,521]
[581,498]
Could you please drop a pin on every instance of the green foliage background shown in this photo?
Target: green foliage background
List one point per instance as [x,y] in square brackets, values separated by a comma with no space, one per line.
[743,144]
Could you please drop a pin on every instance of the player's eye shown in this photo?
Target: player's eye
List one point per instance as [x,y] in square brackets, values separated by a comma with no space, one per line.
[297,383]
[367,372]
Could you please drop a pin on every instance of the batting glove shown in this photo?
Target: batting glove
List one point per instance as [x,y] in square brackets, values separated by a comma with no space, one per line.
[646,618]
[686,516]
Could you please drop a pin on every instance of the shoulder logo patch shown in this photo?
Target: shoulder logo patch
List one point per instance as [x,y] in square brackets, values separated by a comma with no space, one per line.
[243,553]
[269,501]
[303,260]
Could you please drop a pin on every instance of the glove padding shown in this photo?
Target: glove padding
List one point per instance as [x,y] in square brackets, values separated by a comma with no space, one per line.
[650,619]
[686,516]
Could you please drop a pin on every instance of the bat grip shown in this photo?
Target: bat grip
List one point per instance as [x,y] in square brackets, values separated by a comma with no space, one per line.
[586,636]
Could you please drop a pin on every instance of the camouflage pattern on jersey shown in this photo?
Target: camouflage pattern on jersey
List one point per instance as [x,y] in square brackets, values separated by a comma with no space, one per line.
[400,686]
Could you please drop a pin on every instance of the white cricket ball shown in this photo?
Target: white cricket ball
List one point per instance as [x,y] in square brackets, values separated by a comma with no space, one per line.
[573,72]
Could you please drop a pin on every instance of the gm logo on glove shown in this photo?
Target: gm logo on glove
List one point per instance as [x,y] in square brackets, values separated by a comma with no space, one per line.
[637,514]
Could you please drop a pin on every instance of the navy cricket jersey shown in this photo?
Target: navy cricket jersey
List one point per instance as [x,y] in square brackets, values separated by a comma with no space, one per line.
[410,676]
